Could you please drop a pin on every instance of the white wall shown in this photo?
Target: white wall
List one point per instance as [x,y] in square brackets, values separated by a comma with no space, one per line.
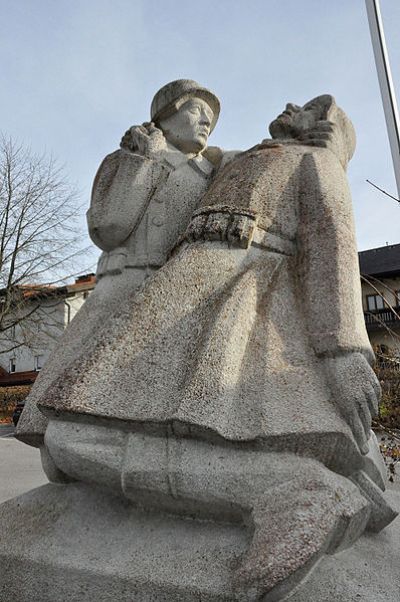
[42,330]
[386,287]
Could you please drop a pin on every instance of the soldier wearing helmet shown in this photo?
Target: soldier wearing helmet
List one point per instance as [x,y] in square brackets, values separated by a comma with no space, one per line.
[143,198]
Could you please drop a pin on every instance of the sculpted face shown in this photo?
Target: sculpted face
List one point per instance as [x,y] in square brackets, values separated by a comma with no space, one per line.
[188,129]
[295,120]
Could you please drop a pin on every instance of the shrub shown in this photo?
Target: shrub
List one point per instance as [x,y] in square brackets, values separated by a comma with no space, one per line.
[9,397]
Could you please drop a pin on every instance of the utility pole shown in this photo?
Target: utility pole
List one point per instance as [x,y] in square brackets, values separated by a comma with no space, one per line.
[385,83]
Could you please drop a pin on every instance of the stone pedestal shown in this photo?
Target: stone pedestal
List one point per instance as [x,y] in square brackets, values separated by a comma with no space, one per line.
[206,417]
[77,543]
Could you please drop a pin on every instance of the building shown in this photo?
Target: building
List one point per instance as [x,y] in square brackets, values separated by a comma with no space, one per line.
[380,283]
[28,344]
[57,305]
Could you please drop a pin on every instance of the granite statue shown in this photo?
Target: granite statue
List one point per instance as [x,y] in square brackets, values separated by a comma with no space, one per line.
[227,381]
[143,198]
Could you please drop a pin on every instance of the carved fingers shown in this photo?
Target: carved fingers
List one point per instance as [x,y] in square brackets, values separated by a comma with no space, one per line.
[146,139]
[319,135]
[356,392]
[128,140]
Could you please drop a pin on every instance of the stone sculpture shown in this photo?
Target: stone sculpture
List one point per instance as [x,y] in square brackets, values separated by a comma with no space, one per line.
[143,198]
[220,394]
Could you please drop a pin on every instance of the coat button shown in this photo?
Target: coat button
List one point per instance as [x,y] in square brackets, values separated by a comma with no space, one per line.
[157,221]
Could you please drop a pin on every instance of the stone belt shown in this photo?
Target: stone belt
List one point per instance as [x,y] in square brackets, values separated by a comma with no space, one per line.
[273,242]
[119,259]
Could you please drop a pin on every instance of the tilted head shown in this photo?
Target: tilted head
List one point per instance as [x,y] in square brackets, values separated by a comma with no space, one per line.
[186,113]
[320,122]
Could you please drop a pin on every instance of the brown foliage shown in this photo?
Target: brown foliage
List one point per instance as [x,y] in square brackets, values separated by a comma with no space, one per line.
[387,369]
[9,397]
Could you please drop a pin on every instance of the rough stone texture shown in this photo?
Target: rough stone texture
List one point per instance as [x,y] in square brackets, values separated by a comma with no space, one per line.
[221,390]
[239,340]
[61,555]
[367,572]
[142,200]
[51,553]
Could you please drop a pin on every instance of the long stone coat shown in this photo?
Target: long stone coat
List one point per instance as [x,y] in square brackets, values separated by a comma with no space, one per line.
[228,342]
[140,206]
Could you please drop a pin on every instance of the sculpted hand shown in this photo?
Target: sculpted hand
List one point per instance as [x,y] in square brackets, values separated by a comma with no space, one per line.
[321,134]
[355,392]
[146,139]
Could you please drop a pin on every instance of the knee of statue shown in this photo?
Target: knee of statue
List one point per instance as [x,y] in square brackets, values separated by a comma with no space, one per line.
[51,470]
[295,509]
[80,451]
[215,388]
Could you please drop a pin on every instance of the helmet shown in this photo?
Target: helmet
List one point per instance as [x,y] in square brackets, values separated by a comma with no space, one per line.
[172,96]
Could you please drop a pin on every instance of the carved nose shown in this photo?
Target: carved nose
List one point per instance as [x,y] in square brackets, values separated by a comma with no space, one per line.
[204,120]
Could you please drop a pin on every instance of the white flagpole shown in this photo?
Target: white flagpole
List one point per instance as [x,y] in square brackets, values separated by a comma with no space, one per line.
[385,83]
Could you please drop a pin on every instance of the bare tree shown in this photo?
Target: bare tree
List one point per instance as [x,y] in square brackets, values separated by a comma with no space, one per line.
[39,240]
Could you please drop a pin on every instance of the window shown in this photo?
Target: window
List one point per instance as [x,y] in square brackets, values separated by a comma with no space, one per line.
[375,302]
[12,365]
[38,362]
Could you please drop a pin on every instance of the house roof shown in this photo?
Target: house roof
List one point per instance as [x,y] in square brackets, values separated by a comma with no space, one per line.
[41,291]
[383,261]
[82,283]
[17,378]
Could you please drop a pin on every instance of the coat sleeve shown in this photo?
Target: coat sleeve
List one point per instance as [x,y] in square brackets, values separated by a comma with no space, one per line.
[122,189]
[328,258]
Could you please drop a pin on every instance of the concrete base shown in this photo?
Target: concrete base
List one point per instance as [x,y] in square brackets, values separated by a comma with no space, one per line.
[76,543]
[109,551]
[366,572]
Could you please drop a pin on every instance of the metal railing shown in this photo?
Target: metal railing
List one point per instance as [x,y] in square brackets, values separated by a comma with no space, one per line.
[379,318]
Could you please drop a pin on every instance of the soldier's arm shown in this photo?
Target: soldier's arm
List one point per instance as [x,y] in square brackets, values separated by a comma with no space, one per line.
[121,191]
[329,281]
[328,258]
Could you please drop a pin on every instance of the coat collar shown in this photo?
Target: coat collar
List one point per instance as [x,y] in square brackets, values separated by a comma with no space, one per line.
[175,158]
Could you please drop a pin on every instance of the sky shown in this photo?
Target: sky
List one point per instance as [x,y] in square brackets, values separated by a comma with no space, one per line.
[77,73]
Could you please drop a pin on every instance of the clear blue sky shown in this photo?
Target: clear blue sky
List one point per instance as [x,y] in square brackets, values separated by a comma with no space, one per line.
[76,73]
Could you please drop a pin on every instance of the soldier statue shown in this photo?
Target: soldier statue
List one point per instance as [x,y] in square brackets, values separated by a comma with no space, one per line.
[221,369]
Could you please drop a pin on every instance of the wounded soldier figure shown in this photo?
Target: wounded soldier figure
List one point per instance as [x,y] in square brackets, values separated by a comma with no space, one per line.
[234,382]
